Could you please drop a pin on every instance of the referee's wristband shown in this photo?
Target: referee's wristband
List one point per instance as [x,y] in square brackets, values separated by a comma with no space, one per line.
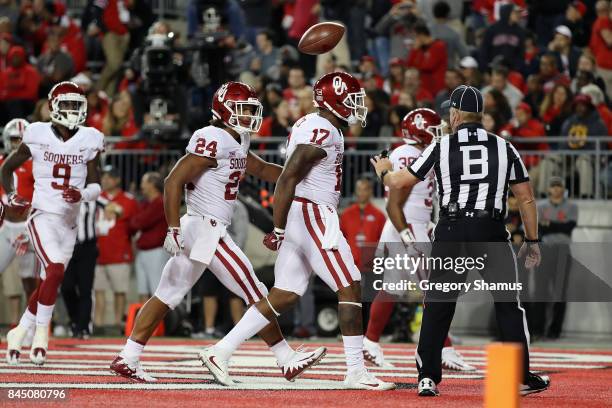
[532,241]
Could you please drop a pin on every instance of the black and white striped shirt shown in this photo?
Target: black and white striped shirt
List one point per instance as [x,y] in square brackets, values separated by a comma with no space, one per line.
[87,221]
[473,168]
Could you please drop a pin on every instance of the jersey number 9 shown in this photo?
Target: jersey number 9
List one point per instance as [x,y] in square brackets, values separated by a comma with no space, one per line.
[61,171]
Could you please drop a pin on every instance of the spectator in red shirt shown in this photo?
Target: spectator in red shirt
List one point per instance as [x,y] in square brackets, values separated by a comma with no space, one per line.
[429,56]
[555,108]
[73,43]
[362,223]
[150,222]
[297,84]
[18,86]
[6,40]
[549,72]
[414,87]
[119,121]
[367,69]
[395,79]
[116,256]
[527,126]
[601,43]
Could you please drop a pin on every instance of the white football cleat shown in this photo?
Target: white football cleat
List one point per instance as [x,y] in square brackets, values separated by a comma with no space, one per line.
[364,380]
[130,369]
[301,361]
[27,341]
[452,360]
[40,344]
[372,352]
[217,367]
[14,338]
[427,388]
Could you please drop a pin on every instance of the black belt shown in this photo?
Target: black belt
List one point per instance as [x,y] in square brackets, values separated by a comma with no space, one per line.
[452,213]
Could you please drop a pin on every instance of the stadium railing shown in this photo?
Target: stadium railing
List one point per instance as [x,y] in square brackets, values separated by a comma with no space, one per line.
[592,162]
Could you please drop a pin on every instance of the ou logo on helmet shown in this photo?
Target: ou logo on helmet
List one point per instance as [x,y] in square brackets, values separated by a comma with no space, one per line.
[419,121]
[222,92]
[339,85]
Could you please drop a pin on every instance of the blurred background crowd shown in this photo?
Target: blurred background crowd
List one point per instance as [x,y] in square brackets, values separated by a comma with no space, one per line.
[150,67]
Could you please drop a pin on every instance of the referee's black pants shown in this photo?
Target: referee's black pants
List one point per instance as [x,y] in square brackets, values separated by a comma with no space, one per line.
[468,237]
[78,284]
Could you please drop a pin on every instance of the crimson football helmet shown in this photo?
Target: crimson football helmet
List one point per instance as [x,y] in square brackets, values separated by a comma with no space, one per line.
[421,126]
[67,104]
[13,130]
[228,105]
[341,94]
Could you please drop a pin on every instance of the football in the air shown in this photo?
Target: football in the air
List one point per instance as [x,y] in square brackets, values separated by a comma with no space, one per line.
[321,38]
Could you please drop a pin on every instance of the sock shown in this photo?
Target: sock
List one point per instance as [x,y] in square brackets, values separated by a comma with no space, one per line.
[380,312]
[353,351]
[282,351]
[28,320]
[47,291]
[250,324]
[447,342]
[43,314]
[132,350]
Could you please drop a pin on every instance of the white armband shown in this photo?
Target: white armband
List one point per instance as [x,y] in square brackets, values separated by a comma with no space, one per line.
[91,192]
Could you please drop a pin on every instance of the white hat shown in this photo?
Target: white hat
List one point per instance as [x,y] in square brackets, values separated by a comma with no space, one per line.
[468,62]
[564,30]
[82,80]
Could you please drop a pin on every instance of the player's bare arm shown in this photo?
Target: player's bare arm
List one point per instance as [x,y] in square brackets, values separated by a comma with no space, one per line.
[395,207]
[258,167]
[529,214]
[12,163]
[93,171]
[297,167]
[186,169]
[393,179]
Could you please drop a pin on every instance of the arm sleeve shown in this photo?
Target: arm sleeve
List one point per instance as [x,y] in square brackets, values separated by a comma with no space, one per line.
[421,166]
[518,171]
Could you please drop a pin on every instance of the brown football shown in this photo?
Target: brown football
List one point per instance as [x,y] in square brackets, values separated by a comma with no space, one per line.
[321,38]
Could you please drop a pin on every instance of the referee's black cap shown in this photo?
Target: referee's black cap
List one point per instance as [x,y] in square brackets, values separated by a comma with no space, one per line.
[467,99]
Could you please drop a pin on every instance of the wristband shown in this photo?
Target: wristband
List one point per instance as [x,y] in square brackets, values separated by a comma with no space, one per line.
[279,231]
[532,241]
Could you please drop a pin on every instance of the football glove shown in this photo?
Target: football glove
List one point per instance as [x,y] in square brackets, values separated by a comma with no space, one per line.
[407,235]
[21,244]
[273,240]
[17,202]
[72,195]
[173,243]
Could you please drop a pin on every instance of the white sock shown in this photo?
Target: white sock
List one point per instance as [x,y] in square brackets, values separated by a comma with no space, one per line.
[353,351]
[28,320]
[43,314]
[132,350]
[282,351]
[250,324]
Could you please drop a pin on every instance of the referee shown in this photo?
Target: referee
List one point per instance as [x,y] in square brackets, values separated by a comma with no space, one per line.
[473,171]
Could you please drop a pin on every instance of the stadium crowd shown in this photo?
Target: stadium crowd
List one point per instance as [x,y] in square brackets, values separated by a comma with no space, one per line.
[545,68]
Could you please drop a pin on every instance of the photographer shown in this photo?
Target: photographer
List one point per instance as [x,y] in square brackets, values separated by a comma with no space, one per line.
[397,24]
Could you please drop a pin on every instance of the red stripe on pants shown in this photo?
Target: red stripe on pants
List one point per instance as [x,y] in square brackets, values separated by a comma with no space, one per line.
[234,274]
[38,246]
[242,266]
[337,255]
[312,233]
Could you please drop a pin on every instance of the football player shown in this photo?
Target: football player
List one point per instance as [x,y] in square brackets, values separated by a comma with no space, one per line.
[14,240]
[217,159]
[409,211]
[306,229]
[66,167]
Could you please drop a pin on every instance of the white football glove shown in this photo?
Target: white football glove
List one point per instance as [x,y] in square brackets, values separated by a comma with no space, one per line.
[174,241]
[407,235]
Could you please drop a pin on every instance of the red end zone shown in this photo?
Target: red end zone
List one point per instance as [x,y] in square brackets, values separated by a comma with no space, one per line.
[580,378]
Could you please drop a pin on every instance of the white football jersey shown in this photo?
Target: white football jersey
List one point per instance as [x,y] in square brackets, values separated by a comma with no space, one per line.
[214,192]
[322,184]
[419,204]
[58,164]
